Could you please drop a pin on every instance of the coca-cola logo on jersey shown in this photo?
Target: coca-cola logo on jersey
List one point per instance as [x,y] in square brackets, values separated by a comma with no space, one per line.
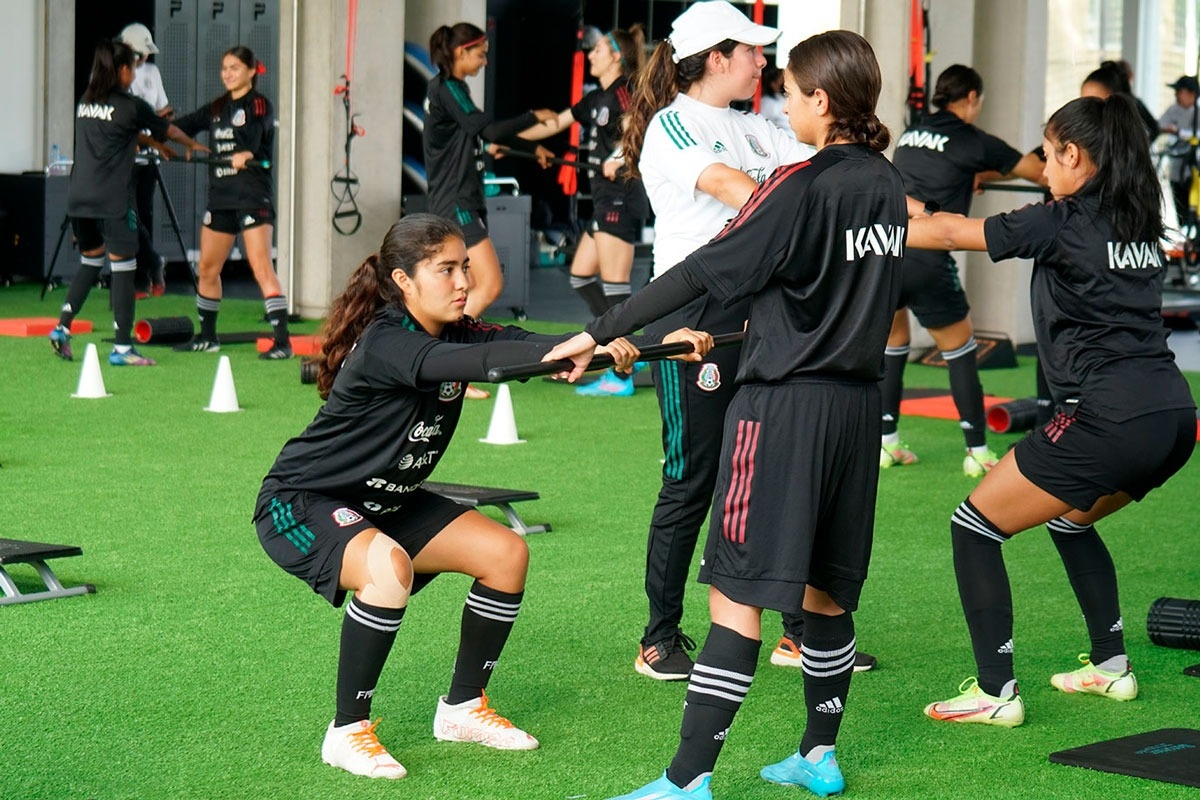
[423,432]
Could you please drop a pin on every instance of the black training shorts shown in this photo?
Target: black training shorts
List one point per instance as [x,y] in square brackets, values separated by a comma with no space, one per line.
[117,235]
[611,215]
[1079,457]
[233,221]
[929,286]
[306,533]
[795,496]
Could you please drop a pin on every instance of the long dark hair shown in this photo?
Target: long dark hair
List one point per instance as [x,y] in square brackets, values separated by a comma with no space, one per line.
[631,46]
[446,39]
[954,83]
[409,241]
[1112,134]
[654,87]
[110,56]
[246,56]
[843,64]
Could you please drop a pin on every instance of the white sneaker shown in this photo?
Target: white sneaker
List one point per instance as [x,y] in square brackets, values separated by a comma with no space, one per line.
[356,749]
[475,721]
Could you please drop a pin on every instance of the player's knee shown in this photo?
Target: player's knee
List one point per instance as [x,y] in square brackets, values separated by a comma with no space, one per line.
[515,556]
[390,573]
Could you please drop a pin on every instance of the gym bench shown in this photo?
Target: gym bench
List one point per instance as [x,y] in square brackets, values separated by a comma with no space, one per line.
[14,551]
[502,499]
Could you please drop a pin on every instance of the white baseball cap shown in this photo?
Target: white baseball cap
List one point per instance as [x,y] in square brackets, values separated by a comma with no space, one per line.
[711,22]
[137,36]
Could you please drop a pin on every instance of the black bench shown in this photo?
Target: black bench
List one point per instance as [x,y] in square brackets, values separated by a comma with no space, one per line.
[502,499]
[14,551]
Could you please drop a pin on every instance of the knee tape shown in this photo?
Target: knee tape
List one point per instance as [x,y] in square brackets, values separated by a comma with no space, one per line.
[385,587]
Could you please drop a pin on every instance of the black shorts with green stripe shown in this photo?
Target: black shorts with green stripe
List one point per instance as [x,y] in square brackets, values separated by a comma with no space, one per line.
[306,533]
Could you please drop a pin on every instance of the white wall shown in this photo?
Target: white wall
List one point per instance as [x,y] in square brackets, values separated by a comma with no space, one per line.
[21,41]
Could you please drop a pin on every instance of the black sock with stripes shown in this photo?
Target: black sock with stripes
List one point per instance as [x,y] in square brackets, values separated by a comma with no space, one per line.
[81,285]
[985,593]
[207,309]
[827,657]
[967,392]
[894,361]
[615,293]
[590,290]
[121,293]
[1094,579]
[367,636]
[277,315]
[720,679]
[487,619]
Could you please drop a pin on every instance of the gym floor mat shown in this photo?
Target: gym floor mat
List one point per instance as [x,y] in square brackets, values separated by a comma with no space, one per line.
[39,326]
[1171,755]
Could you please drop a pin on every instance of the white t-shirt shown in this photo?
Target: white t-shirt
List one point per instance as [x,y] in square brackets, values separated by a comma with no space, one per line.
[147,84]
[684,139]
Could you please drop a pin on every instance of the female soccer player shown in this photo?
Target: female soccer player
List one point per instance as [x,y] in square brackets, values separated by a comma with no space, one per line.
[816,250]
[454,128]
[1125,420]
[700,161]
[241,128]
[100,196]
[343,508]
[619,205]
[939,158]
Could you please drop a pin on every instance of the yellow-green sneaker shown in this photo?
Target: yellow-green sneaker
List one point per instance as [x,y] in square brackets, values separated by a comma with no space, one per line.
[1091,679]
[976,705]
[976,465]
[896,455]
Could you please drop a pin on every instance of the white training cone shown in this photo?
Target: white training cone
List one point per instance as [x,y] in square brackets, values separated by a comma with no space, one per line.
[503,427]
[224,395]
[91,382]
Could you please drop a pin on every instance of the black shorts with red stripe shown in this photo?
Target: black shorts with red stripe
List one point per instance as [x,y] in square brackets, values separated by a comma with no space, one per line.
[795,497]
[1080,457]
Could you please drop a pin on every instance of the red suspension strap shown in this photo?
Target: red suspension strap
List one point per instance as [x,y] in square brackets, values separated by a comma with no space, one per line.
[346,217]
[568,176]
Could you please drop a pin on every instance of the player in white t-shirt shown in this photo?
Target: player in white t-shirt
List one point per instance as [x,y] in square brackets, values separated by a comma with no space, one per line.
[700,160]
[148,85]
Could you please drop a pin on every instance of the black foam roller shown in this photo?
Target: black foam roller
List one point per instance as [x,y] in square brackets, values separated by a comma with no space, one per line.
[163,330]
[1173,622]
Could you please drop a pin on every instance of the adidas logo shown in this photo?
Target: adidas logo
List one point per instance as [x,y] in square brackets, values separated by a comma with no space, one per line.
[1006,648]
[720,736]
[1118,626]
[718,147]
[833,706]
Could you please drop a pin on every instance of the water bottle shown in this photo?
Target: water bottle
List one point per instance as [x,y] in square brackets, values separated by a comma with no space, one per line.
[55,155]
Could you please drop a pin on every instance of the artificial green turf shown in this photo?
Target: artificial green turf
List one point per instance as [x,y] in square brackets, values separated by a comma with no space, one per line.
[201,670]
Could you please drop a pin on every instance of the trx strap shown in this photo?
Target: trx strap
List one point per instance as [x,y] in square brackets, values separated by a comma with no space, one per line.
[920,60]
[346,217]
[758,20]
[568,177]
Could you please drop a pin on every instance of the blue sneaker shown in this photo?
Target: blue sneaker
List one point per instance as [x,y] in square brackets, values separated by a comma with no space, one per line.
[663,789]
[130,358]
[610,385]
[822,779]
[60,340]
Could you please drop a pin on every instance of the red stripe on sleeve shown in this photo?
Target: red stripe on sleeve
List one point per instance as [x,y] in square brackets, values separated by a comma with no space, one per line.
[760,194]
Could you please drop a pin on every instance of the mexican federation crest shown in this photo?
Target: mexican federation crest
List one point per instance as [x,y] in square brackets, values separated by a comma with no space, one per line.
[709,378]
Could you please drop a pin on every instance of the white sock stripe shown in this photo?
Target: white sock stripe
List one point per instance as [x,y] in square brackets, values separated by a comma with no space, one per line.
[845,665]
[828,654]
[705,669]
[903,350]
[92,261]
[498,605]
[970,347]
[371,621]
[207,304]
[701,682]
[611,289]
[737,698]
[128,265]
[577,282]
[275,303]
[976,523]
[1064,525]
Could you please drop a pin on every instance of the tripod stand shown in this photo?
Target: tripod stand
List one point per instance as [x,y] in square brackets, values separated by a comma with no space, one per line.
[151,161]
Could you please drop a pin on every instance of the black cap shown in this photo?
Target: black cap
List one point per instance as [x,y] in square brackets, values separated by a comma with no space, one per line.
[1186,82]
